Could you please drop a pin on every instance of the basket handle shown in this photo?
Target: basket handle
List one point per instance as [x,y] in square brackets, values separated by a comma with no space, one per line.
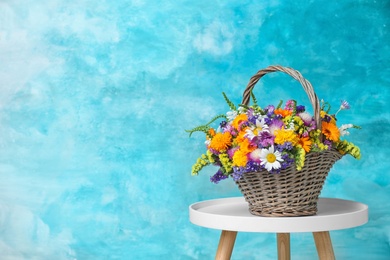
[296,75]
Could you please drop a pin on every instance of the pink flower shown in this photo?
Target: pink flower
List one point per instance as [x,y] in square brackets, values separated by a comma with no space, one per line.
[231,151]
[290,105]
[306,118]
[255,155]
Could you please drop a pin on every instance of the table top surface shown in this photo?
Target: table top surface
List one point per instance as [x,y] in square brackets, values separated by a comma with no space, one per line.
[233,214]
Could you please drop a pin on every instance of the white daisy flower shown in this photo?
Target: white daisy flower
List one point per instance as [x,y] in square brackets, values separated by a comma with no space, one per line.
[231,115]
[260,124]
[254,131]
[270,158]
[241,109]
[343,129]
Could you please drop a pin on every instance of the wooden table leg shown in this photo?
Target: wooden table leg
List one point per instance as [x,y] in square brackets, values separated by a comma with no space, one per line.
[226,244]
[283,240]
[324,245]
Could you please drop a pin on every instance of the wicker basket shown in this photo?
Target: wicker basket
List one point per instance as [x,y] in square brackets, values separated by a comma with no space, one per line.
[290,193]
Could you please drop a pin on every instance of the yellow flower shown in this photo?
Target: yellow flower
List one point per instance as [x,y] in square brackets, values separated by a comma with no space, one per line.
[331,131]
[239,120]
[345,147]
[323,114]
[225,161]
[284,135]
[200,163]
[287,120]
[221,141]
[240,158]
[300,158]
[210,156]
[299,125]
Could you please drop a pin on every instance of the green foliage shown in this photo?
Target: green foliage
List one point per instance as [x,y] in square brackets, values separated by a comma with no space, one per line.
[254,100]
[294,108]
[325,106]
[205,128]
[215,118]
[230,103]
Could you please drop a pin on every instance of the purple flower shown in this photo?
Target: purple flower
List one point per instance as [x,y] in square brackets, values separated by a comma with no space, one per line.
[252,166]
[328,143]
[275,171]
[269,110]
[218,176]
[344,105]
[223,124]
[268,120]
[229,128]
[300,109]
[266,139]
[237,173]
[287,161]
[287,146]
[252,118]
[312,126]
[327,118]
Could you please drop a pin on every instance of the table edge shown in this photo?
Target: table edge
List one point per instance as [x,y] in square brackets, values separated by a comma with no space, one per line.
[276,224]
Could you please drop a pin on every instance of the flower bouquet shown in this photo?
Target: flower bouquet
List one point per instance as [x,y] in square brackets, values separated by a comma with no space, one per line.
[278,156]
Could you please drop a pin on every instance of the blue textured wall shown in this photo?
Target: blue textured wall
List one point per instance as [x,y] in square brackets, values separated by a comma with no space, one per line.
[95,97]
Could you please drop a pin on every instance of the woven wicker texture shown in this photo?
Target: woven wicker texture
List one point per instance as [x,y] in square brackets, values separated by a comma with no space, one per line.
[290,193]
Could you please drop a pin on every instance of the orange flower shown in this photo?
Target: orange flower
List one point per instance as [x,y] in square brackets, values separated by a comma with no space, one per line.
[239,120]
[211,131]
[221,141]
[283,112]
[240,137]
[305,142]
[330,131]
[246,147]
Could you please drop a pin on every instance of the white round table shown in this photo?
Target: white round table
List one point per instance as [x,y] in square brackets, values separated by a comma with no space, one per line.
[232,215]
